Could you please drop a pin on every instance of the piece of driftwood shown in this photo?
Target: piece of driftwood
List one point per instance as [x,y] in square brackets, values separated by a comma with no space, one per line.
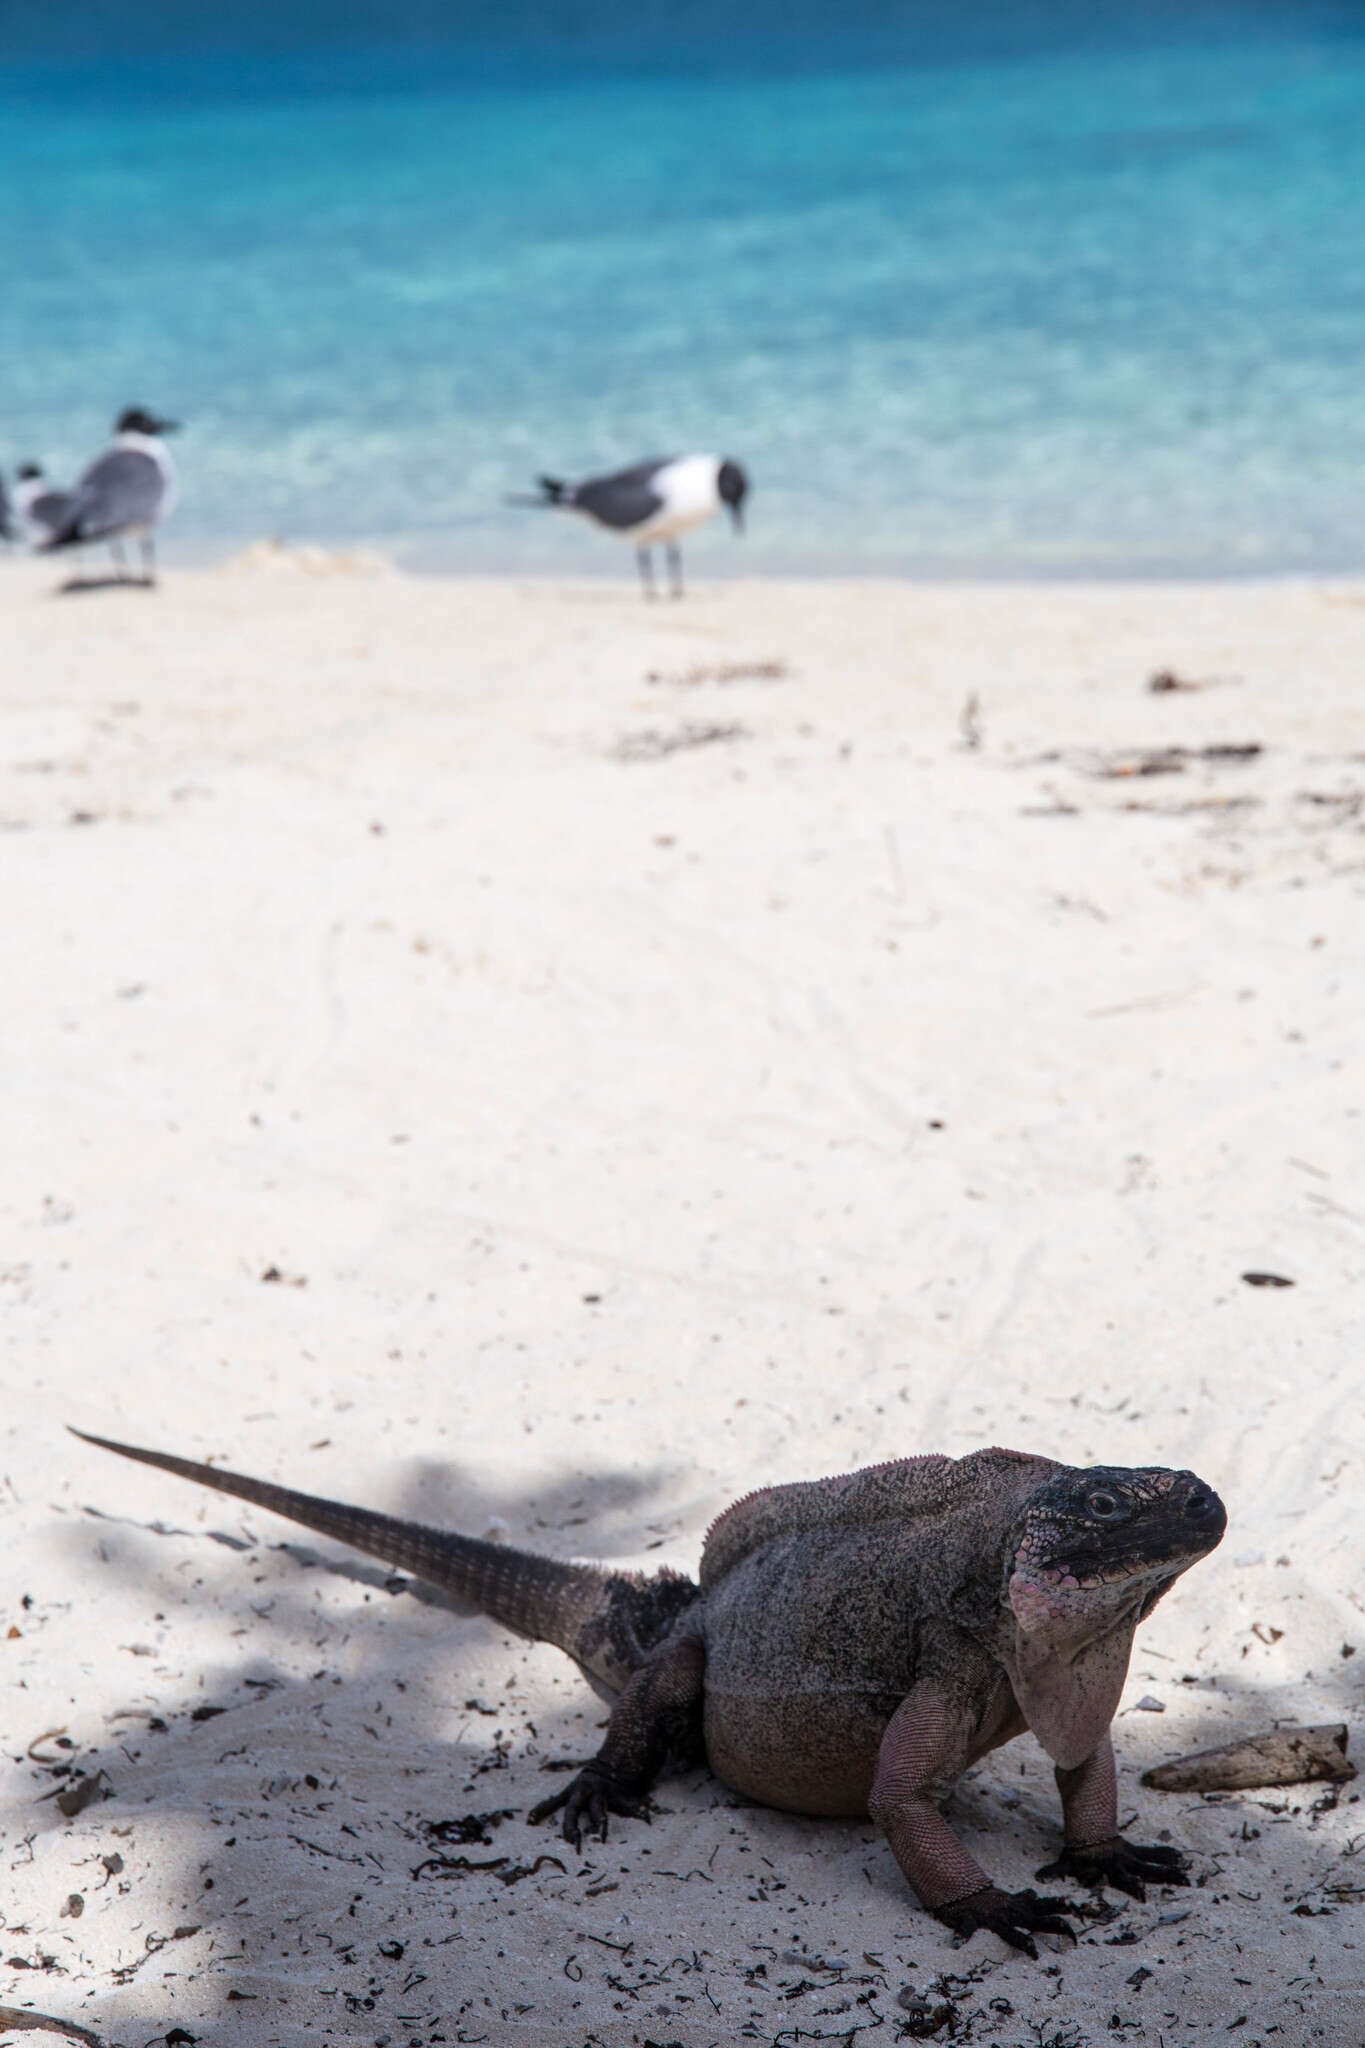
[1281,1756]
[17,2019]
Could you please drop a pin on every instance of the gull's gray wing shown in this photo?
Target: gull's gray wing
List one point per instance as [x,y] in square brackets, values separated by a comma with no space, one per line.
[626,498]
[121,489]
[49,509]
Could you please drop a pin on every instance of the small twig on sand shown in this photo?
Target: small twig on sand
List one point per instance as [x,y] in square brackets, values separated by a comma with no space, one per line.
[721,672]
[1166,680]
[653,745]
[1125,762]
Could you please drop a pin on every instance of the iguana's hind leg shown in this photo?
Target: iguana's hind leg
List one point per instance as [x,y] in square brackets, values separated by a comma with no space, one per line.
[1095,1851]
[658,1714]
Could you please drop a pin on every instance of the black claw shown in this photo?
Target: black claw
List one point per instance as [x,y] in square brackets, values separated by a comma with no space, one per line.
[1128,1866]
[547,1808]
[1015,1916]
[587,1800]
[1051,1924]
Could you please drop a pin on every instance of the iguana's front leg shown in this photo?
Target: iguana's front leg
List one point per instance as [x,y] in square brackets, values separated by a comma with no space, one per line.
[656,1714]
[1095,1851]
[924,1751]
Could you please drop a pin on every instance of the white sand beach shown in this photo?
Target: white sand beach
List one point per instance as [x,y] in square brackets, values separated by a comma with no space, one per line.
[510,1055]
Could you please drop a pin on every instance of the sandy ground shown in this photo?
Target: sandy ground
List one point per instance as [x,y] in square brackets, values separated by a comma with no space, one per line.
[497,1050]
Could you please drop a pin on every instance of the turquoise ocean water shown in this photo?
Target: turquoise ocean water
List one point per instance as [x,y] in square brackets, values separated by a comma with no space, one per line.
[1048,288]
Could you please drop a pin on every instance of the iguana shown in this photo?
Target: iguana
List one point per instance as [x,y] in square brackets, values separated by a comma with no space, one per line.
[851,1645]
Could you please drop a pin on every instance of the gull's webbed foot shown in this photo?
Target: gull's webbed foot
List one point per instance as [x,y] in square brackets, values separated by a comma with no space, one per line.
[1128,1866]
[1015,1916]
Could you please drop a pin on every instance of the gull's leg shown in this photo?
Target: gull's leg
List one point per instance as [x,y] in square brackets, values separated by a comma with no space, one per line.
[675,569]
[116,550]
[148,558]
[646,561]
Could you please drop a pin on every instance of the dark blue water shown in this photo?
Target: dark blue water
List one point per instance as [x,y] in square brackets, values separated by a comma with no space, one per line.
[1036,288]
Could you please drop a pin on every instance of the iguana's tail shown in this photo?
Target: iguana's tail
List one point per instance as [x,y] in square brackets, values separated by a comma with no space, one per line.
[607,1621]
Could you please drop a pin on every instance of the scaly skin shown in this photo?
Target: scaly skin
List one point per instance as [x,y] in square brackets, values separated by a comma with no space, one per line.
[853,1644]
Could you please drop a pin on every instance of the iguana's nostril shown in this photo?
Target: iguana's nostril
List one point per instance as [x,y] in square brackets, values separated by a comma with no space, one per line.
[1201,1506]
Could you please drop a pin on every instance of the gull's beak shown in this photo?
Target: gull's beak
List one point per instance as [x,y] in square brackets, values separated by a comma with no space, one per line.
[168,426]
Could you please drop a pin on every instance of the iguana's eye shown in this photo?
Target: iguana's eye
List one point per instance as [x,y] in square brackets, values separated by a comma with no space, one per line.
[1103,1506]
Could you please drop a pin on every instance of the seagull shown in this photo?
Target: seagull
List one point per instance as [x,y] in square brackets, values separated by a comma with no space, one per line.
[39,506]
[126,490]
[654,501]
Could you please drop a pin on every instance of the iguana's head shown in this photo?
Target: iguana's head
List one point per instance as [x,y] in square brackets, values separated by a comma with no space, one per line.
[1106,1541]
[1091,1553]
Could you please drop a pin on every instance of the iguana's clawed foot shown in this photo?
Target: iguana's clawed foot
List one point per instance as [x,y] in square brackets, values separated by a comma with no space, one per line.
[587,1800]
[1128,1866]
[1015,1916]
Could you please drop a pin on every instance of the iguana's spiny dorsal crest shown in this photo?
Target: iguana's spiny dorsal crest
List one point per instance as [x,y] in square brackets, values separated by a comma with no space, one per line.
[855,1643]
[899,1491]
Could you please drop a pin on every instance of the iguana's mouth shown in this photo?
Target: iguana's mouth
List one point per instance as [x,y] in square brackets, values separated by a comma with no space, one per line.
[1136,1564]
[1071,1579]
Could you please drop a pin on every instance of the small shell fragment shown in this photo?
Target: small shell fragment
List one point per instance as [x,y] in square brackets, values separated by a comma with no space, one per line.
[1280,1756]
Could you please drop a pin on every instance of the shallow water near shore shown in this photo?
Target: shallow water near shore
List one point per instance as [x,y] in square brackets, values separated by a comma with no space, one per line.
[1051,303]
